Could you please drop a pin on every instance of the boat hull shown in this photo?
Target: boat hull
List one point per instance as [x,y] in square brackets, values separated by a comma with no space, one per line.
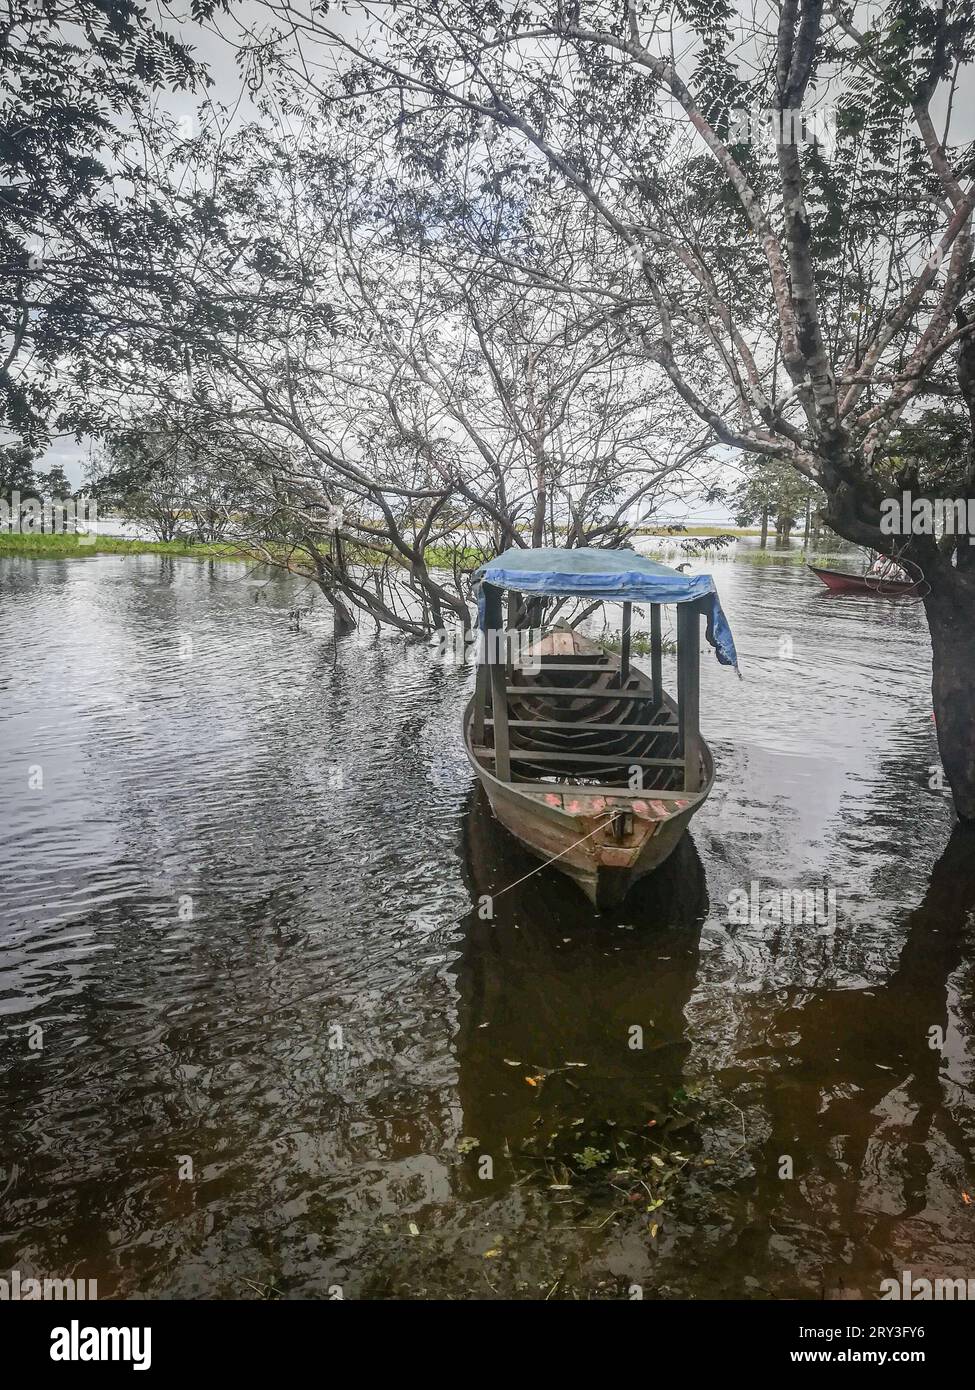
[840,581]
[570,827]
[567,842]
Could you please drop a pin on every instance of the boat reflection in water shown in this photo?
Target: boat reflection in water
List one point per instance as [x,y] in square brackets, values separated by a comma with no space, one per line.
[547,982]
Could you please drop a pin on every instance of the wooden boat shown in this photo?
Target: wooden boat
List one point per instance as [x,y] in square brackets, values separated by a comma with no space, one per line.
[586,760]
[841,581]
[580,731]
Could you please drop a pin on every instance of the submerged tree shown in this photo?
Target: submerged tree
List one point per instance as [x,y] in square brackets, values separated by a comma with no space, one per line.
[401,410]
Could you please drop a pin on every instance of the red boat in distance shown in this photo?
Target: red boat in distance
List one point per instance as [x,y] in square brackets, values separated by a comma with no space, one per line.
[841,581]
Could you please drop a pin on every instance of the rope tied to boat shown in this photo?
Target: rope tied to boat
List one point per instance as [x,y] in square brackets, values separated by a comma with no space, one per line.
[608,821]
[877,580]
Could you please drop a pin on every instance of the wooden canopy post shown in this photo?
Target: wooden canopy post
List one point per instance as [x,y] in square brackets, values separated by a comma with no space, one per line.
[625,643]
[689,693]
[509,640]
[656,656]
[480,698]
[496,662]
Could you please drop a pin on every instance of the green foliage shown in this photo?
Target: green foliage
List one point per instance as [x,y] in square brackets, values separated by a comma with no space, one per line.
[640,643]
[933,452]
[173,471]
[17,471]
[774,490]
[79,238]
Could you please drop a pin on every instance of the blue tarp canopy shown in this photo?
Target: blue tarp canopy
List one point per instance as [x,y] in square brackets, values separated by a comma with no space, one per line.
[620,576]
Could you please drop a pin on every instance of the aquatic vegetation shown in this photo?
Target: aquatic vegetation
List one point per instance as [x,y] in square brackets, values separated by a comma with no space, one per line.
[591,1158]
[624,1167]
[795,556]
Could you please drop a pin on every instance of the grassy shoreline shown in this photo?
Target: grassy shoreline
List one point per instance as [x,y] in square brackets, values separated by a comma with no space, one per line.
[75,547]
[79,547]
[69,546]
[56,546]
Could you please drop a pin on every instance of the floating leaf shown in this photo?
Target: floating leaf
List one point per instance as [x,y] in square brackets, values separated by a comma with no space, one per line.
[591,1158]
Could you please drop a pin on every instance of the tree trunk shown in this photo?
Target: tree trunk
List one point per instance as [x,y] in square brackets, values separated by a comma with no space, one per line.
[763,543]
[950,608]
[541,498]
[805,534]
[344,622]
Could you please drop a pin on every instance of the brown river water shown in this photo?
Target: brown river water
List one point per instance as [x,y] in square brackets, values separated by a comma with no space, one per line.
[256,1038]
